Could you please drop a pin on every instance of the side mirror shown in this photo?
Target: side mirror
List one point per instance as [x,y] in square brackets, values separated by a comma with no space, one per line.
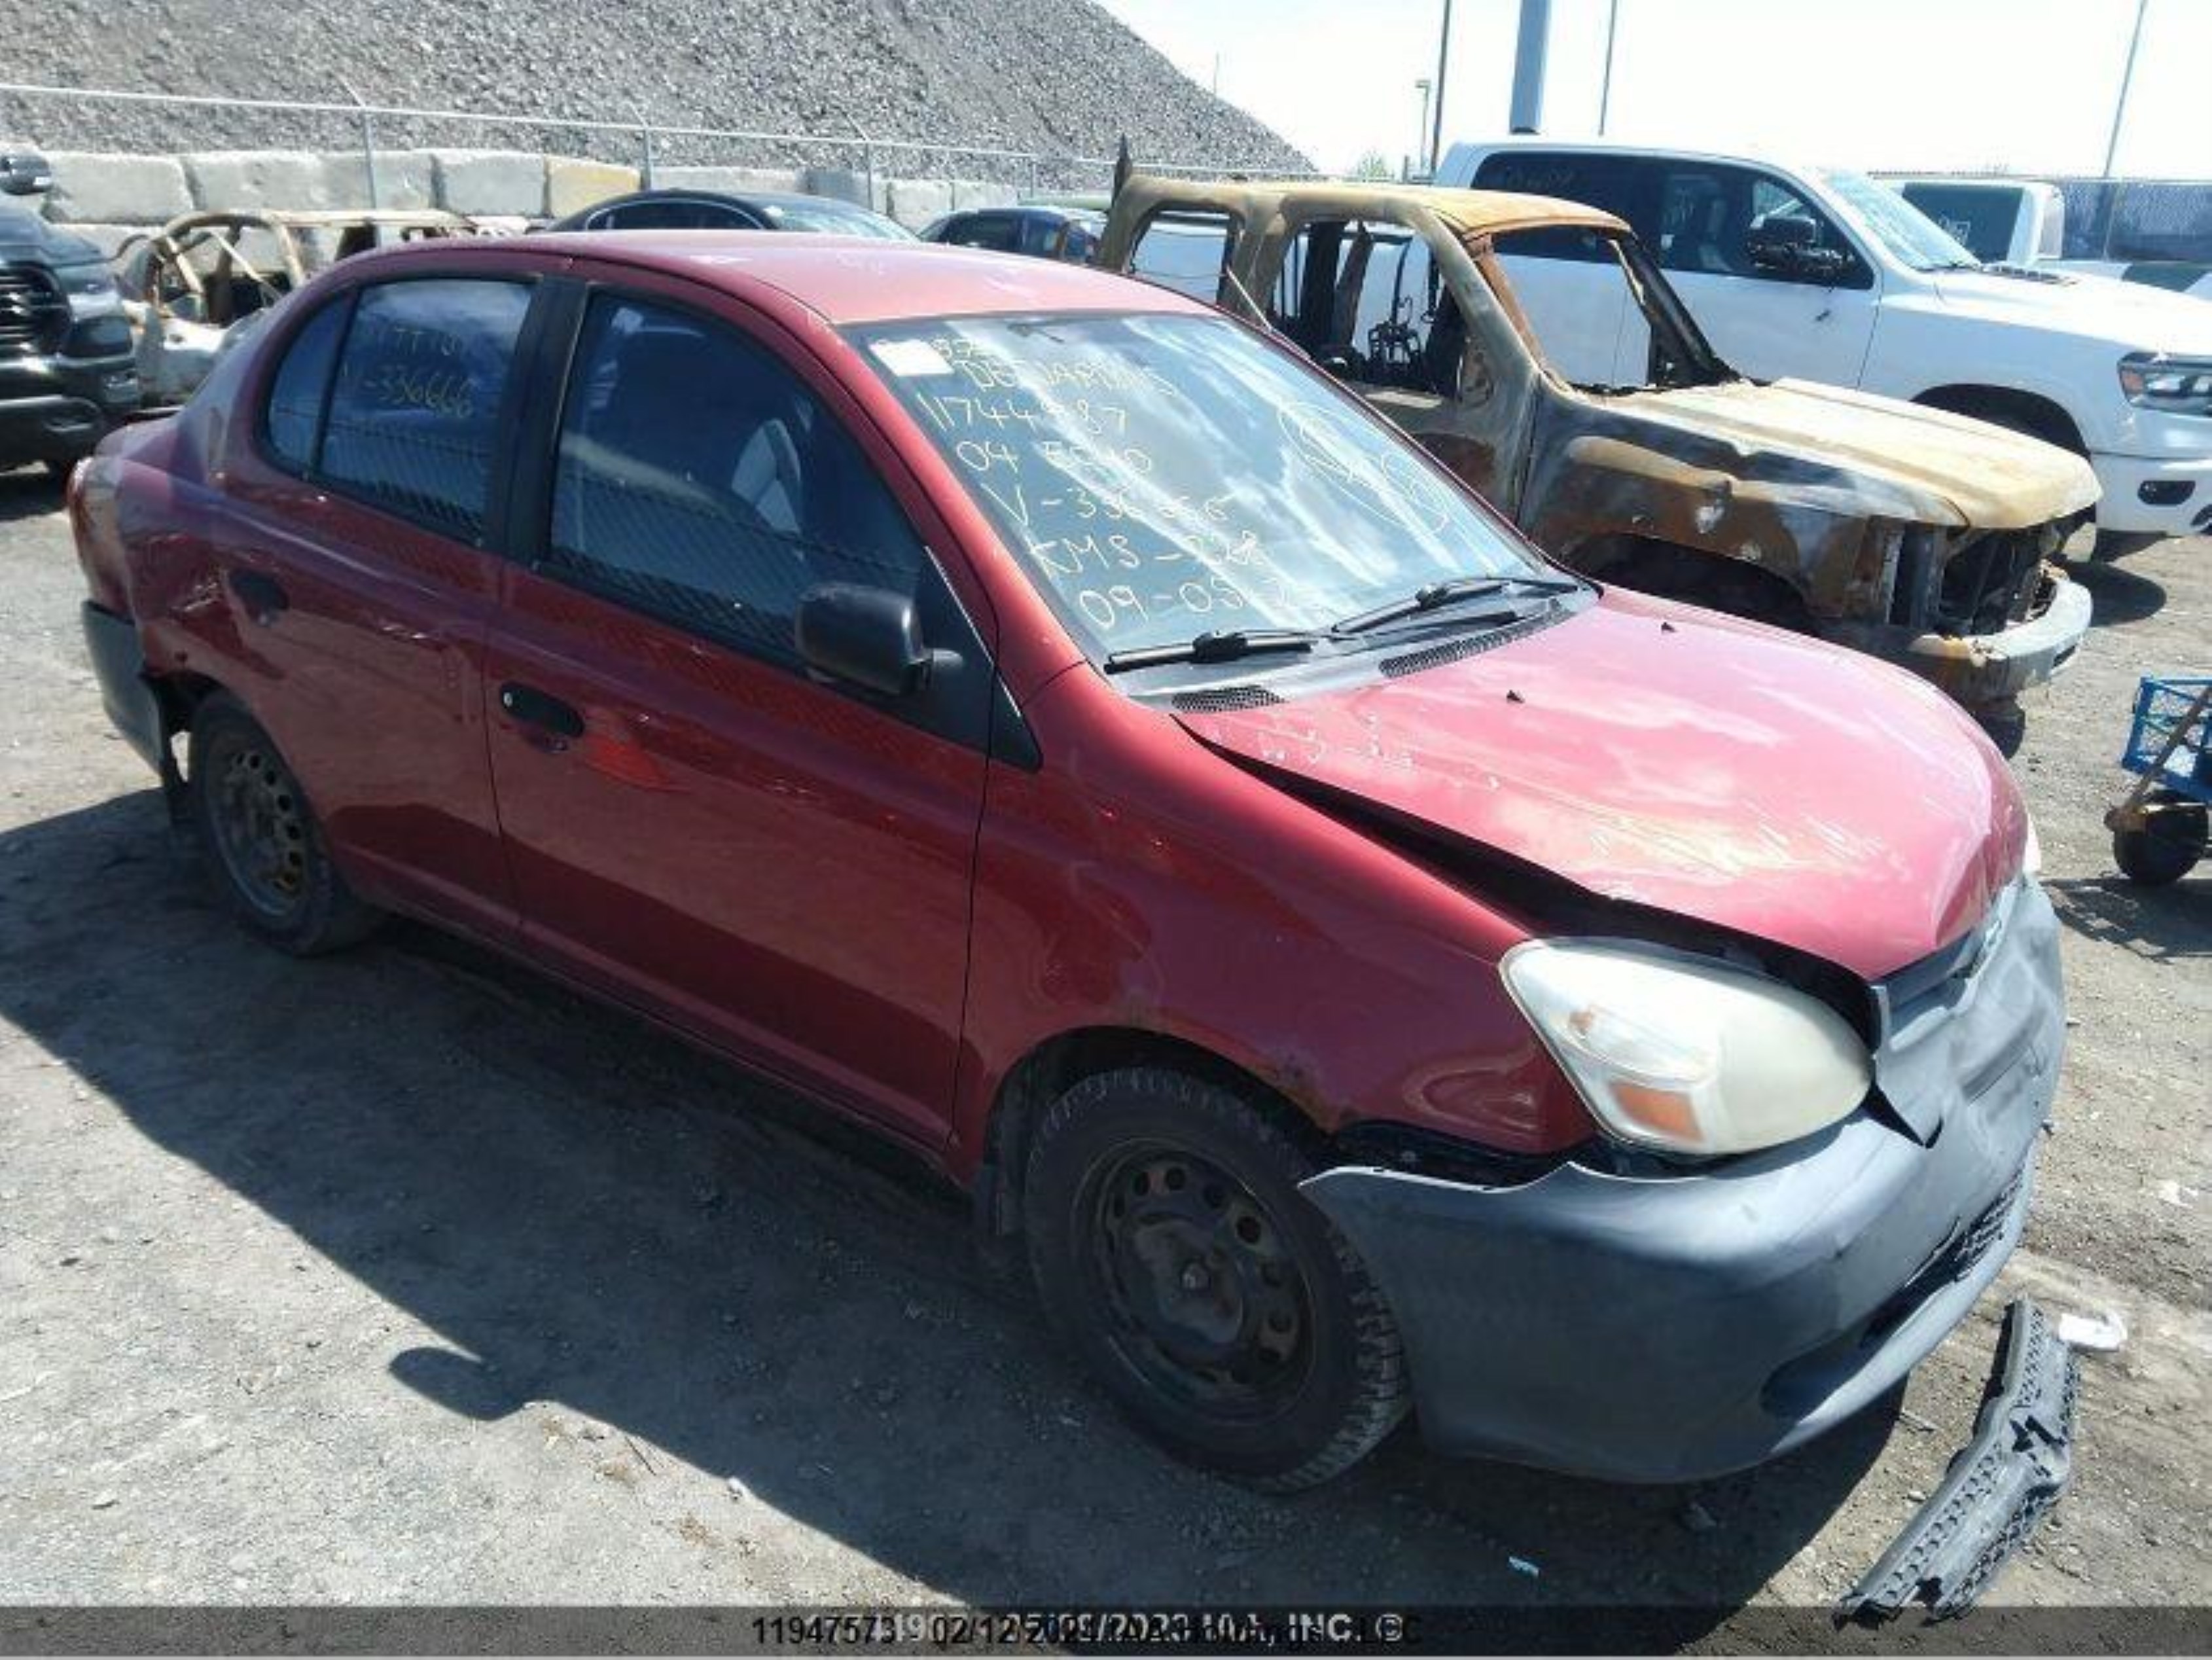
[23,173]
[868,638]
[1791,248]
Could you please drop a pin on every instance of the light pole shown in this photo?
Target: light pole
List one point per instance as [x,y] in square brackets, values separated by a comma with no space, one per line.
[1605,86]
[2127,80]
[1443,59]
[1421,132]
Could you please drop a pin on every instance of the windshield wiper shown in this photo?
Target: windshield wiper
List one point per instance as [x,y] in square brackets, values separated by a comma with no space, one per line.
[1437,595]
[1212,647]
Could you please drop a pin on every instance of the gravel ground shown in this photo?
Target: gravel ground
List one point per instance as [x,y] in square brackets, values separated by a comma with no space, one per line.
[1058,75]
[404,1278]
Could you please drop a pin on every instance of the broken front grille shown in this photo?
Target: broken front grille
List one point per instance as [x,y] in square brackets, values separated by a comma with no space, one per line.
[34,312]
[1992,580]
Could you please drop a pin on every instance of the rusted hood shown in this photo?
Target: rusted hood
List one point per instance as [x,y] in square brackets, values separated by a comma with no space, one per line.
[1961,472]
[1654,753]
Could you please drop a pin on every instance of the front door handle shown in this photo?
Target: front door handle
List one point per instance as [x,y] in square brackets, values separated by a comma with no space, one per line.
[542,710]
[263,596]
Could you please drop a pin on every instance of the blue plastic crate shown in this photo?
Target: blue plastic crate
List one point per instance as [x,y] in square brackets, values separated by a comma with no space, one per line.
[2162,704]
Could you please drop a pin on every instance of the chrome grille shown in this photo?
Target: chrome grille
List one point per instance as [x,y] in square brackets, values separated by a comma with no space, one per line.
[35,314]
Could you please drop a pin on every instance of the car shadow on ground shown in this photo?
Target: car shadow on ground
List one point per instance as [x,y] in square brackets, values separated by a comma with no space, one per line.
[2117,594]
[592,1215]
[2167,925]
[27,493]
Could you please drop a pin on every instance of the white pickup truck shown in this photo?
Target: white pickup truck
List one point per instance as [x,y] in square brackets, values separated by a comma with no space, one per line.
[2021,222]
[1820,274]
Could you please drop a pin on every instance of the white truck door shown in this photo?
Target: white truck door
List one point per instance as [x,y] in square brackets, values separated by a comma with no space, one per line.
[1777,286]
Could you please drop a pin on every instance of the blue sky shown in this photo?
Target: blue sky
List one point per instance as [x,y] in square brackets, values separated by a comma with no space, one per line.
[2023,84]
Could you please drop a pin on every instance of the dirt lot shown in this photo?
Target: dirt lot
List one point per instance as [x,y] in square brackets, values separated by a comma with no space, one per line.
[403,1277]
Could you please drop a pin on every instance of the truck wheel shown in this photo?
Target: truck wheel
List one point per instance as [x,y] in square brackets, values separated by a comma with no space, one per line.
[264,849]
[2164,847]
[1221,1311]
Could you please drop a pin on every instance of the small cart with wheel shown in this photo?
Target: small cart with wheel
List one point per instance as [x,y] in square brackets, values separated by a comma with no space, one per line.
[2158,831]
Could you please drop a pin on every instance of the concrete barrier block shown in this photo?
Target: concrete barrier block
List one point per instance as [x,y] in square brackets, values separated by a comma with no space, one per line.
[405,179]
[573,184]
[490,181]
[94,187]
[737,181]
[915,202]
[849,185]
[233,180]
[983,193]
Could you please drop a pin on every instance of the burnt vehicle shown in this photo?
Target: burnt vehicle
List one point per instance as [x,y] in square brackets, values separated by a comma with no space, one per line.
[66,373]
[188,285]
[1921,536]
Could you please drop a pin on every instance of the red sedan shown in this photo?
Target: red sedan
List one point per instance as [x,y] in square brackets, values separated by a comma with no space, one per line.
[1363,965]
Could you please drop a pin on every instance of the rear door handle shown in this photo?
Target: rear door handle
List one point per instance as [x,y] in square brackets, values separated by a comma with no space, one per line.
[262,596]
[541,709]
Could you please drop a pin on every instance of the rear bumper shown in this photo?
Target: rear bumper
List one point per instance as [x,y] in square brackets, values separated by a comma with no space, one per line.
[1986,670]
[1679,1328]
[2180,489]
[120,665]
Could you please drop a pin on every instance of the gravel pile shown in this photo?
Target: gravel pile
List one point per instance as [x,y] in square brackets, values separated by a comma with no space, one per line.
[1058,75]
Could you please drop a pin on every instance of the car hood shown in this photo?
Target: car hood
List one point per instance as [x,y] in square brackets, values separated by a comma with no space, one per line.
[1936,467]
[1664,755]
[2129,316]
[25,236]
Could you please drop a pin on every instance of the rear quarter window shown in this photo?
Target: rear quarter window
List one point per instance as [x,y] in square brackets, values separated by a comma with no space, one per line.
[292,419]
[415,407]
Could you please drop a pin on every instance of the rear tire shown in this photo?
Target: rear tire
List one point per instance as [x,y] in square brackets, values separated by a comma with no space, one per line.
[263,848]
[2164,849]
[1224,1315]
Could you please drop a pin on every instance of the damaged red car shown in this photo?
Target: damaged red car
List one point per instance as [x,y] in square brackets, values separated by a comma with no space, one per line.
[1364,966]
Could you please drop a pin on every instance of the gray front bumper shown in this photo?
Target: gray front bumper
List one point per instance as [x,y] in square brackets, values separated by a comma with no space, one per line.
[1984,671]
[1675,1327]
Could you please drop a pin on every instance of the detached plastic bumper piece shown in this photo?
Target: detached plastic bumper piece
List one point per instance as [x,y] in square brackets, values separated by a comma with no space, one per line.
[1997,1490]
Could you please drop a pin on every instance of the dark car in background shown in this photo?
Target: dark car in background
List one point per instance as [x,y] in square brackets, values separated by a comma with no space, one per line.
[708,209]
[66,371]
[1048,233]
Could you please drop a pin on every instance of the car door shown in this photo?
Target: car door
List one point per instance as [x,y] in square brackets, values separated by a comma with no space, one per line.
[359,567]
[1567,281]
[694,822]
[1721,234]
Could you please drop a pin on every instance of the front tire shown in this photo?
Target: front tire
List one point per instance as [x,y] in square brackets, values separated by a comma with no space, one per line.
[262,846]
[1224,1315]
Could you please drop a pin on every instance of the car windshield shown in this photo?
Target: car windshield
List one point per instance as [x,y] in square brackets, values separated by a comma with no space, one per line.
[1902,229]
[835,219]
[1161,477]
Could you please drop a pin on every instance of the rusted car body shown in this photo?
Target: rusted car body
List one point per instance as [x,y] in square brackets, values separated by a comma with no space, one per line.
[1919,536]
[188,284]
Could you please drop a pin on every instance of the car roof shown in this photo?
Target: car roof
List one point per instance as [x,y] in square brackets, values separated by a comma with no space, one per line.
[859,279]
[1536,141]
[1470,212]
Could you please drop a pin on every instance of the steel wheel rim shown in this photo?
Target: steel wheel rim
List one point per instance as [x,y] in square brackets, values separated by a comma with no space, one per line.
[261,829]
[1205,1300]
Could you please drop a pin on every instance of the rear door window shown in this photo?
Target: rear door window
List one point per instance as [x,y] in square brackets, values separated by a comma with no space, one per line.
[293,418]
[1599,182]
[415,410]
[699,480]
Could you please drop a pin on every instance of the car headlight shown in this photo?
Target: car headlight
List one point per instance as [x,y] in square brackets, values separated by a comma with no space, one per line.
[1674,1052]
[2178,385]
